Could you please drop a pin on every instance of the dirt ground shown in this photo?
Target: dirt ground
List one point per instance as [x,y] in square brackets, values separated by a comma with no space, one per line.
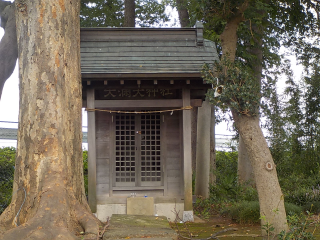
[203,229]
[158,228]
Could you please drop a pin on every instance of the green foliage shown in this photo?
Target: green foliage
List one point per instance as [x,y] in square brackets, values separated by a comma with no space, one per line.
[227,188]
[234,86]
[226,191]
[244,212]
[110,13]
[7,160]
[249,211]
[303,195]
[205,207]
[298,228]
[85,170]
[312,207]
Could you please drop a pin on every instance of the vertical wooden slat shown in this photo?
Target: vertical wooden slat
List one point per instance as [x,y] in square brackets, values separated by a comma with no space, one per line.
[112,155]
[163,131]
[138,149]
[92,167]
[187,166]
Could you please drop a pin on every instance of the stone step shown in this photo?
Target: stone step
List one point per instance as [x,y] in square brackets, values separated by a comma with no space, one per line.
[139,227]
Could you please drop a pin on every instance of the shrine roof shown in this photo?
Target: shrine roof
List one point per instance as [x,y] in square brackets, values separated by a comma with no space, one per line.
[145,51]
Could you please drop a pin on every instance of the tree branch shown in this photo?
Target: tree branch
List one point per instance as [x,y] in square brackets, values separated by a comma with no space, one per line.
[8,44]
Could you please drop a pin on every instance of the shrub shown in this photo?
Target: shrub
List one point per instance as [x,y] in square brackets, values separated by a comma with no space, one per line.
[85,170]
[7,160]
[312,207]
[303,195]
[244,212]
[249,211]
[299,225]
[292,209]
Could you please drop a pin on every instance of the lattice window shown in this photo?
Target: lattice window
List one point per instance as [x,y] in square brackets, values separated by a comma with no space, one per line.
[150,148]
[125,148]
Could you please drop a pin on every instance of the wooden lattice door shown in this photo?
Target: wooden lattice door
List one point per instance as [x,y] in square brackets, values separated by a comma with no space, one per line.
[138,150]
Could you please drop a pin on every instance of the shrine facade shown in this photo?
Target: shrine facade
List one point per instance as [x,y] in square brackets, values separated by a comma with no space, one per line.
[139,85]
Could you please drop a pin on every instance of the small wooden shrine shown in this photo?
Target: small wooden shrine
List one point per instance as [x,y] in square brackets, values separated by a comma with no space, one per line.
[139,85]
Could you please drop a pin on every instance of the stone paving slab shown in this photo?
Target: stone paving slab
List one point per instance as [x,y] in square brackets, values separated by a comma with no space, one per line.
[136,227]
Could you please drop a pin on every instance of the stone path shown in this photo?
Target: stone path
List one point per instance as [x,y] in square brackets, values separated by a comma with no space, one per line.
[136,227]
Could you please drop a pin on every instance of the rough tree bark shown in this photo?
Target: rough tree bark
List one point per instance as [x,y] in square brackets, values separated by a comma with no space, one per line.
[245,171]
[129,13]
[270,196]
[49,201]
[183,13]
[8,44]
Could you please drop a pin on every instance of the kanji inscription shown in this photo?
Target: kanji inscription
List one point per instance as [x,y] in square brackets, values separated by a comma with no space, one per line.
[138,93]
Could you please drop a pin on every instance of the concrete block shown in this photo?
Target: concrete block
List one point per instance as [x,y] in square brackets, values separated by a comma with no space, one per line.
[188,216]
[140,206]
[105,211]
[169,210]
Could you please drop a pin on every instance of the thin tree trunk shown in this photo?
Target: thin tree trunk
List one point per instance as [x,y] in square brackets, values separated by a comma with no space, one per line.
[8,44]
[183,13]
[271,199]
[129,13]
[203,150]
[245,172]
[49,202]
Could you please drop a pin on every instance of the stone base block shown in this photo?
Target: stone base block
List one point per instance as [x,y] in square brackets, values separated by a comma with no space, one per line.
[188,216]
[105,211]
[160,209]
[140,206]
[170,210]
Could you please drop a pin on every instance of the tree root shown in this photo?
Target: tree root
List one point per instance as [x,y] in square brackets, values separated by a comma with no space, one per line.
[61,217]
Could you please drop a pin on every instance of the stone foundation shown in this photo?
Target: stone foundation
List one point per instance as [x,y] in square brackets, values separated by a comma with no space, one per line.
[166,209]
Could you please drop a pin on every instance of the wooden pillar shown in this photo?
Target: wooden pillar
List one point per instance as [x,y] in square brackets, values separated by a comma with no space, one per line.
[203,150]
[194,119]
[213,167]
[187,158]
[92,167]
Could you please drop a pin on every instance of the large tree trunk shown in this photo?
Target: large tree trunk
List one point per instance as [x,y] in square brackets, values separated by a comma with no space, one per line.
[49,202]
[270,196]
[8,44]
[245,171]
[129,13]
[183,13]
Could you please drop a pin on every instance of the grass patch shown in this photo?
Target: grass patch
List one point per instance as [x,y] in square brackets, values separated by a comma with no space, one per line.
[248,212]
